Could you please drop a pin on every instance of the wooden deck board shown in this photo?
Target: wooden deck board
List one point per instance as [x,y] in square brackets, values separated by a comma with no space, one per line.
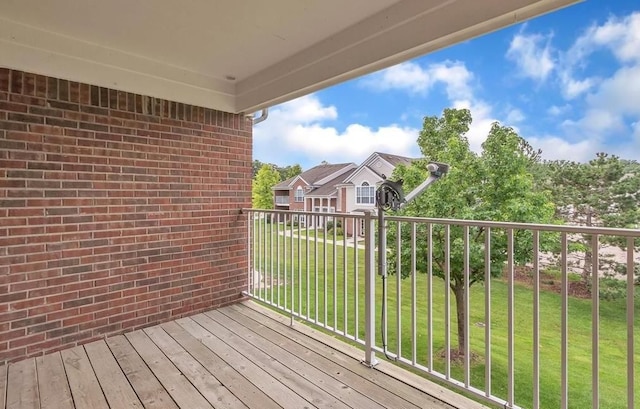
[341,353]
[22,386]
[348,372]
[254,373]
[240,386]
[149,390]
[3,386]
[114,383]
[52,383]
[295,378]
[180,389]
[323,376]
[240,356]
[83,383]
[210,387]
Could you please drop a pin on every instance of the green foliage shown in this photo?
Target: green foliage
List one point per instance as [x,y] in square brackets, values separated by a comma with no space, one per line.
[495,185]
[285,172]
[289,171]
[262,195]
[602,192]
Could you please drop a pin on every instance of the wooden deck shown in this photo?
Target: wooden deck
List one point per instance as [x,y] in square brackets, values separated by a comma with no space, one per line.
[241,356]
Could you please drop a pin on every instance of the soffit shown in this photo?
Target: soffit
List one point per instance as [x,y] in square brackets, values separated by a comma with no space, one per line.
[240,55]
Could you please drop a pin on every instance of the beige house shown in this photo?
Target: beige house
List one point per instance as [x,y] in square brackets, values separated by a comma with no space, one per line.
[338,188]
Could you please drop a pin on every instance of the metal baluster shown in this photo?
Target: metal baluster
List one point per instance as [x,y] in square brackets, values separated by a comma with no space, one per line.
[536,319]
[467,295]
[414,273]
[447,301]
[564,327]
[595,322]
[510,320]
[487,311]
[430,296]
[630,323]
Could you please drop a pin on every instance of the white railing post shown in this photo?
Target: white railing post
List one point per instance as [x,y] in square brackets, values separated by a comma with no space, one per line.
[369,289]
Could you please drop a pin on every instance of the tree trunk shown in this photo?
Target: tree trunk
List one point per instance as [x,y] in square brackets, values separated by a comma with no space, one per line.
[459,293]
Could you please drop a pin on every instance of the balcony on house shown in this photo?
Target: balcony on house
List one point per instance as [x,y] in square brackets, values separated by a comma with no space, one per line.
[126,152]
[282,200]
[342,335]
[536,336]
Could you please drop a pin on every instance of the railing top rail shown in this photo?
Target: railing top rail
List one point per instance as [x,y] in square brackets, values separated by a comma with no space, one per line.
[306,213]
[560,228]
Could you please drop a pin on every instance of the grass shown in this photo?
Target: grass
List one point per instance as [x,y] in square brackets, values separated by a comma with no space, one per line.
[317,232]
[340,289]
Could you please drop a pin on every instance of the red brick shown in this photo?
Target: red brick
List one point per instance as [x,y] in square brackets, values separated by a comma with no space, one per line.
[106,217]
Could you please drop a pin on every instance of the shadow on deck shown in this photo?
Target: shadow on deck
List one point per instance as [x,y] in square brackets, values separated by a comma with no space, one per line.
[240,356]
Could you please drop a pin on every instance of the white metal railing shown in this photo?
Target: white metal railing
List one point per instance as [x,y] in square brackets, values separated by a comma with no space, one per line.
[524,346]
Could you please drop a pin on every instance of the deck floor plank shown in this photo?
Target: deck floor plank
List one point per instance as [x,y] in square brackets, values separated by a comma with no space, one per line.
[149,390]
[237,357]
[318,375]
[22,385]
[83,383]
[312,356]
[263,379]
[297,381]
[114,383]
[348,361]
[208,385]
[3,386]
[240,386]
[181,390]
[52,382]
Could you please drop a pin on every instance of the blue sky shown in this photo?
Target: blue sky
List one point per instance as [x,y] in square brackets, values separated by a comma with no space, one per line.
[568,82]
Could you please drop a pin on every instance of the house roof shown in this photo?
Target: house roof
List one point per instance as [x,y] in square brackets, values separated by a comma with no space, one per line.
[393,160]
[314,175]
[238,56]
[330,188]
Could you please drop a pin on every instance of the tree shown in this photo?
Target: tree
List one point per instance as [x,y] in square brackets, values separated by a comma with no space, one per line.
[285,172]
[290,171]
[495,185]
[255,167]
[262,194]
[603,192]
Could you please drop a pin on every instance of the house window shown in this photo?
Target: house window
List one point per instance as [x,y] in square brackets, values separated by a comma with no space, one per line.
[365,194]
[299,195]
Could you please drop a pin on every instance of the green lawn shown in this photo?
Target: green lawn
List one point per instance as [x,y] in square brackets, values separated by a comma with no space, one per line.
[309,272]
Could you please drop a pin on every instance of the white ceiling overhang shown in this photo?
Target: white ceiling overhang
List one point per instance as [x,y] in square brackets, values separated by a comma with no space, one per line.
[238,55]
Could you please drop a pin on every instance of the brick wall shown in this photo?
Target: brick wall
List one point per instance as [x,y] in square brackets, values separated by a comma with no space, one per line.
[117,211]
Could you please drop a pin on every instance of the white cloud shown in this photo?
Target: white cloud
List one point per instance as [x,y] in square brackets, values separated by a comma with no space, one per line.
[610,105]
[307,109]
[514,116]
[621,35]
[413,78]
[614,102]
[555,110]
[554,148]
[297,132]
[573,88]
[532,55]
[457,80]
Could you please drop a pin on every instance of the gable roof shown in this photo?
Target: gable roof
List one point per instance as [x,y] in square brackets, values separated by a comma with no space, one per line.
[330,188]
[393,160]
[314,175]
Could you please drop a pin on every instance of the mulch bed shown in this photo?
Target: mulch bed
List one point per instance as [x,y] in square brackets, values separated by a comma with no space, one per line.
[548,282]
